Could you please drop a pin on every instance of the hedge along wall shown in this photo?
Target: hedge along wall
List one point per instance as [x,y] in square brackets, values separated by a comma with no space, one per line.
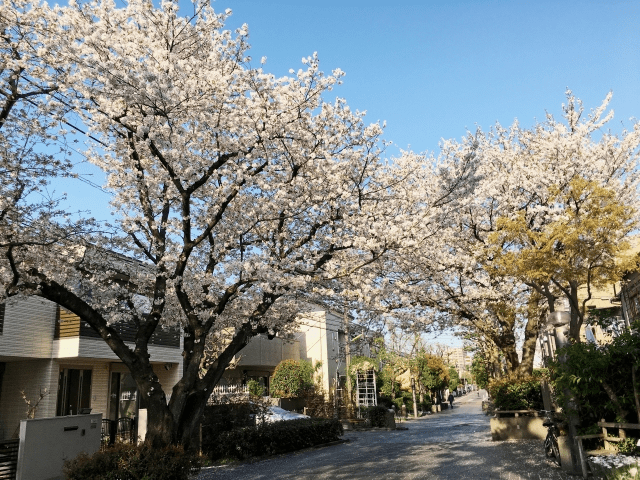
[274,438]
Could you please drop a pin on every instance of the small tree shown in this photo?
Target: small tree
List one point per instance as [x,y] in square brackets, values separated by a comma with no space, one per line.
[454,378]
[479,372]
[292,378]
[433,374]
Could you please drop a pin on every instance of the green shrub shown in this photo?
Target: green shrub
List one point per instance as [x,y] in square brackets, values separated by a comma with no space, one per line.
[275,438]
[133,462]
[628,446]
[407,399]
[516,394]
[599,378]
[376,415]
[292,378]
[255,388]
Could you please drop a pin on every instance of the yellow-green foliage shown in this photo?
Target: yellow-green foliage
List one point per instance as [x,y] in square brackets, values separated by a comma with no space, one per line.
[584,244]
[433,373]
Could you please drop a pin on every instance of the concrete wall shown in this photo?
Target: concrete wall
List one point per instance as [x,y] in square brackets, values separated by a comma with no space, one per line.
[517,428]
[28,328]
[45,444]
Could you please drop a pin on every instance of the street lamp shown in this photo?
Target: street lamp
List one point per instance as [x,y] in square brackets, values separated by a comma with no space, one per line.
[559,321]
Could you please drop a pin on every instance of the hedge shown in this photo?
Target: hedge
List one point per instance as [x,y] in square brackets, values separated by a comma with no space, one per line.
[133,462]
[274,438]
[377,415]
[516,393]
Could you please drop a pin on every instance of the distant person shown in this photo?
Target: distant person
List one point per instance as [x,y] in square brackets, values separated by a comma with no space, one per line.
[450,398]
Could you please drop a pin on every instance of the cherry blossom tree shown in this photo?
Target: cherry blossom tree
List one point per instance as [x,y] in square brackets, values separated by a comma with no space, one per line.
[234,192]
[549,211]
[29,151]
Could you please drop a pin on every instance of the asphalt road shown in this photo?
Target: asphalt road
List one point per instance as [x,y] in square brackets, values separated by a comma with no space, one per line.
[452,444]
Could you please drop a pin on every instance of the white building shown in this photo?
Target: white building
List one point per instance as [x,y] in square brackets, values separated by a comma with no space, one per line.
[44,349]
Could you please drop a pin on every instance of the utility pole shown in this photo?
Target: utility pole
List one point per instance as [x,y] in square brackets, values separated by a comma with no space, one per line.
[347,353]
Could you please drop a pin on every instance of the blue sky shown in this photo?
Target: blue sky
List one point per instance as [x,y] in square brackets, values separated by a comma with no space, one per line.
[433,69]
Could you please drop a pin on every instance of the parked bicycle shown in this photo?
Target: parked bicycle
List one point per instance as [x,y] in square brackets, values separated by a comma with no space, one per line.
[551,449]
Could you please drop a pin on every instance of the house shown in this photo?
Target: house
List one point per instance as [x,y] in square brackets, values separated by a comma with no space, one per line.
[320,337]
[46,351]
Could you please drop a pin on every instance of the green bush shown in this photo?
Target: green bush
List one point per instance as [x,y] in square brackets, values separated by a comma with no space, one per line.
[224,417]
[628,446]
[600,378]
[133,462]
[292,378]
[407,399]
[516,393]
[274,438]
[255,388]
[376,415]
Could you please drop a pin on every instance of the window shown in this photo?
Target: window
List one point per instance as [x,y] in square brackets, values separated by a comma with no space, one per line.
[74,391]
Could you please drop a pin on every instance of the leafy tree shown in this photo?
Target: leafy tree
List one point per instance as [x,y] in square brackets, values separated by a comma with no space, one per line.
[432,372]
[479,372]
[454,378]
[393,365]
[581,243]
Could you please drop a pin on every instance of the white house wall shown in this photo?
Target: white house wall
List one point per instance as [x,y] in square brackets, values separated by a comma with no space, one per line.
[28,328]
[319,337]
[268,353]
[84,347]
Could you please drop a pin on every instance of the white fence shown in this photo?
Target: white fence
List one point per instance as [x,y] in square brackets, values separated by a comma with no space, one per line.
[236,389]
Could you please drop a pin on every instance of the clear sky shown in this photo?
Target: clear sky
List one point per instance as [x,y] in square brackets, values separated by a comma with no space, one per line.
[433,69]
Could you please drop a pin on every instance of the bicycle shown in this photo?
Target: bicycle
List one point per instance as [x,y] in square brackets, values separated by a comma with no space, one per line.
[551,449]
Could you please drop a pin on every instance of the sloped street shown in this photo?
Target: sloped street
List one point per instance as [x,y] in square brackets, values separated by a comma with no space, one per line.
[453,444]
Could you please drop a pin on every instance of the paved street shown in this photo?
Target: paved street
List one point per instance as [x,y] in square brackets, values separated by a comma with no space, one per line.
[453,444]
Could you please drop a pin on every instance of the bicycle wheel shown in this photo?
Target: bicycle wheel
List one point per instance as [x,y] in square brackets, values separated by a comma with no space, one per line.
[551,449]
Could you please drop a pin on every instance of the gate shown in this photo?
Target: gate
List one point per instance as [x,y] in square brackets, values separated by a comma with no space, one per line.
[9,459]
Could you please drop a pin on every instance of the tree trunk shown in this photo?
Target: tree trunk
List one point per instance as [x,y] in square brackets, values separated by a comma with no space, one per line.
[636,396]
[536,317]
[576,316]
[506,343]
[622,413]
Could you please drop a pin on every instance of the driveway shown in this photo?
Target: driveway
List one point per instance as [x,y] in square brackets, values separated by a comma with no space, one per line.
[452,444]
